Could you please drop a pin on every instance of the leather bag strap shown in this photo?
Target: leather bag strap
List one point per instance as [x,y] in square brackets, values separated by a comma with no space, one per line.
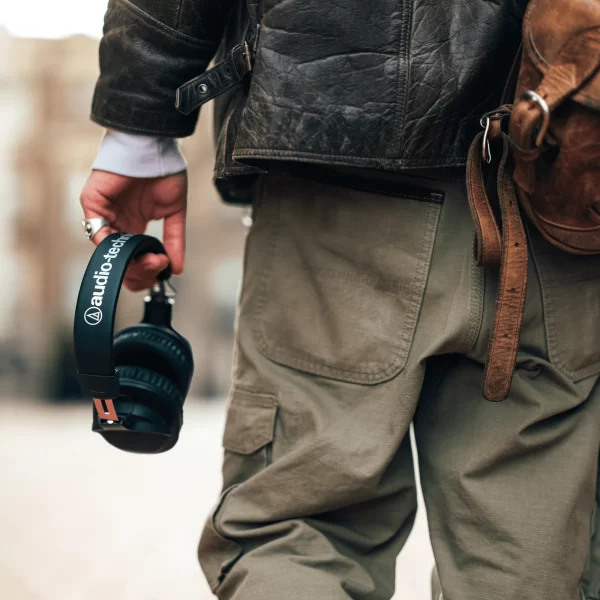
[511,245]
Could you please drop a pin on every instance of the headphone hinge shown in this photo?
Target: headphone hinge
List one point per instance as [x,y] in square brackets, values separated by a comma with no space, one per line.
[158,305]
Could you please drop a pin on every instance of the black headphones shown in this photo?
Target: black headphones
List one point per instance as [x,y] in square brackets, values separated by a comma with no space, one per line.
[139,379]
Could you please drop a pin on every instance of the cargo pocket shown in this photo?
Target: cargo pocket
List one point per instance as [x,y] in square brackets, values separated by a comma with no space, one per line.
[342,274]
[571,299]
[249,430]
[247,440]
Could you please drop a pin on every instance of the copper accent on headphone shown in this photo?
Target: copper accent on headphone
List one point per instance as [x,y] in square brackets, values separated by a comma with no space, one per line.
[106,414]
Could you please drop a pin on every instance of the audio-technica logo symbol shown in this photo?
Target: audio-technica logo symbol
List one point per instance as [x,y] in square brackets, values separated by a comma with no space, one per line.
[92,315]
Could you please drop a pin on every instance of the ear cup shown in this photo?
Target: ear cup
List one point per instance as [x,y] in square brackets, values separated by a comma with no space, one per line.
[146,380]
[152,406]
[159,349]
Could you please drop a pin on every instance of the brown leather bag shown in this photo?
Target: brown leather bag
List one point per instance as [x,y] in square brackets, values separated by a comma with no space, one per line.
[550,165]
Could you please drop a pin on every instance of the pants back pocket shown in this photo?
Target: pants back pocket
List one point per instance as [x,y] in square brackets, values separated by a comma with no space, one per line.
[342,275]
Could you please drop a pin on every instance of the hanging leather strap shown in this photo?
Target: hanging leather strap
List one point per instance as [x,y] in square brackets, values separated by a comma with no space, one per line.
[488,243]
[508,249]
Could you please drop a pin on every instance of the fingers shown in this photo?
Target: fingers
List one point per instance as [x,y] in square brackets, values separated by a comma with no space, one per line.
[129,204]
[174,240]
[95,200]
[107,185]
[174,188]
[143,272]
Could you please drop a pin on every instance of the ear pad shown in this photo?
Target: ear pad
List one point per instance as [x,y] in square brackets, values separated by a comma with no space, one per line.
[159,349]
[152,408]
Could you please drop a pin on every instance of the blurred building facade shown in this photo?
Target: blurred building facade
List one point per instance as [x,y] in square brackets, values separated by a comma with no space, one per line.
[46,150]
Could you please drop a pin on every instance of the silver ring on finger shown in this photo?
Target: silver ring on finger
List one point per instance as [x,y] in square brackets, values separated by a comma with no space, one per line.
[93,226]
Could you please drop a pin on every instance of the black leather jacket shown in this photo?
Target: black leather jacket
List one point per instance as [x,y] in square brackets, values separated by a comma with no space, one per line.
[383,84]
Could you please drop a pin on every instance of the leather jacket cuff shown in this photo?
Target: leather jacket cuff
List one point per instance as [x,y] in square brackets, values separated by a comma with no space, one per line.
[112,114]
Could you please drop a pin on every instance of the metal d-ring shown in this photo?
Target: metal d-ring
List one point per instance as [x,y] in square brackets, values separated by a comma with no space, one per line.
[531,96]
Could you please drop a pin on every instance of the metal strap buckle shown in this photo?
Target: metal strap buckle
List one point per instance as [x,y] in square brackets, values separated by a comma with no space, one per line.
[534,98]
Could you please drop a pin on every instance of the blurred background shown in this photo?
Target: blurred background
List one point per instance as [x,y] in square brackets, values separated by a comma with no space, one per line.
[78,519]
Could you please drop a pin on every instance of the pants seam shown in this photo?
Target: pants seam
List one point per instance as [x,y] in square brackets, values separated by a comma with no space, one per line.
[476,306]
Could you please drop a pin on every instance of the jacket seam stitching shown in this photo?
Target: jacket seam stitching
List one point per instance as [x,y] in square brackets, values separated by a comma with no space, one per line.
[396,143]
[178,19]
[102,121]
[159,25]
[172,113]
[402,78]
[461,160]
[131,111]
[101,103]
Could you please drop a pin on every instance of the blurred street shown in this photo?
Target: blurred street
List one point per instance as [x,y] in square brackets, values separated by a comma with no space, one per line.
[81,521]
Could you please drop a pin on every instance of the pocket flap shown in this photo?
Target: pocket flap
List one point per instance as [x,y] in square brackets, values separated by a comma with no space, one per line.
[250,421]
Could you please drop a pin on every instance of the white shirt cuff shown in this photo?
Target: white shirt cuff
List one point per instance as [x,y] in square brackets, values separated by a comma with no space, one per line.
[139,155]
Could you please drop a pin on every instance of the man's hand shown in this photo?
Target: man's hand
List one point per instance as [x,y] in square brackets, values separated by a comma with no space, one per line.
[129,204]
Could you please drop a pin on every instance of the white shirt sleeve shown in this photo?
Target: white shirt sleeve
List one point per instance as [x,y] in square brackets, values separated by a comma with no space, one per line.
[139,155]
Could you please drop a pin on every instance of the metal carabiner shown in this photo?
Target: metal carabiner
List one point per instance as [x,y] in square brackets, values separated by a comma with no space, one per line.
[486,151]
[486,122]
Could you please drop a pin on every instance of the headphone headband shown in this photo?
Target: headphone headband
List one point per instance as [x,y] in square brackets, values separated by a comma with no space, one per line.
[97,305]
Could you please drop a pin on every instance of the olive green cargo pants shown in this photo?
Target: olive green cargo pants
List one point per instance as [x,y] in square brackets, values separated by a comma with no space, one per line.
[360,313]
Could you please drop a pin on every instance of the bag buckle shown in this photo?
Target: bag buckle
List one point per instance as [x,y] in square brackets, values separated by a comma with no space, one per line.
[531,96]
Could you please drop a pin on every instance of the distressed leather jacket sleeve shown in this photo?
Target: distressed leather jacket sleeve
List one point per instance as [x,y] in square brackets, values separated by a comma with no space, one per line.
[150,48]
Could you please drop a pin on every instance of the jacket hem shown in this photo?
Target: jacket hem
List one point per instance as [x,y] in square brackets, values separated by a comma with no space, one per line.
[386,164]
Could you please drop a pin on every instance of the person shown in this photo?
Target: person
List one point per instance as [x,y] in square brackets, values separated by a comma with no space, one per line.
[362,311]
